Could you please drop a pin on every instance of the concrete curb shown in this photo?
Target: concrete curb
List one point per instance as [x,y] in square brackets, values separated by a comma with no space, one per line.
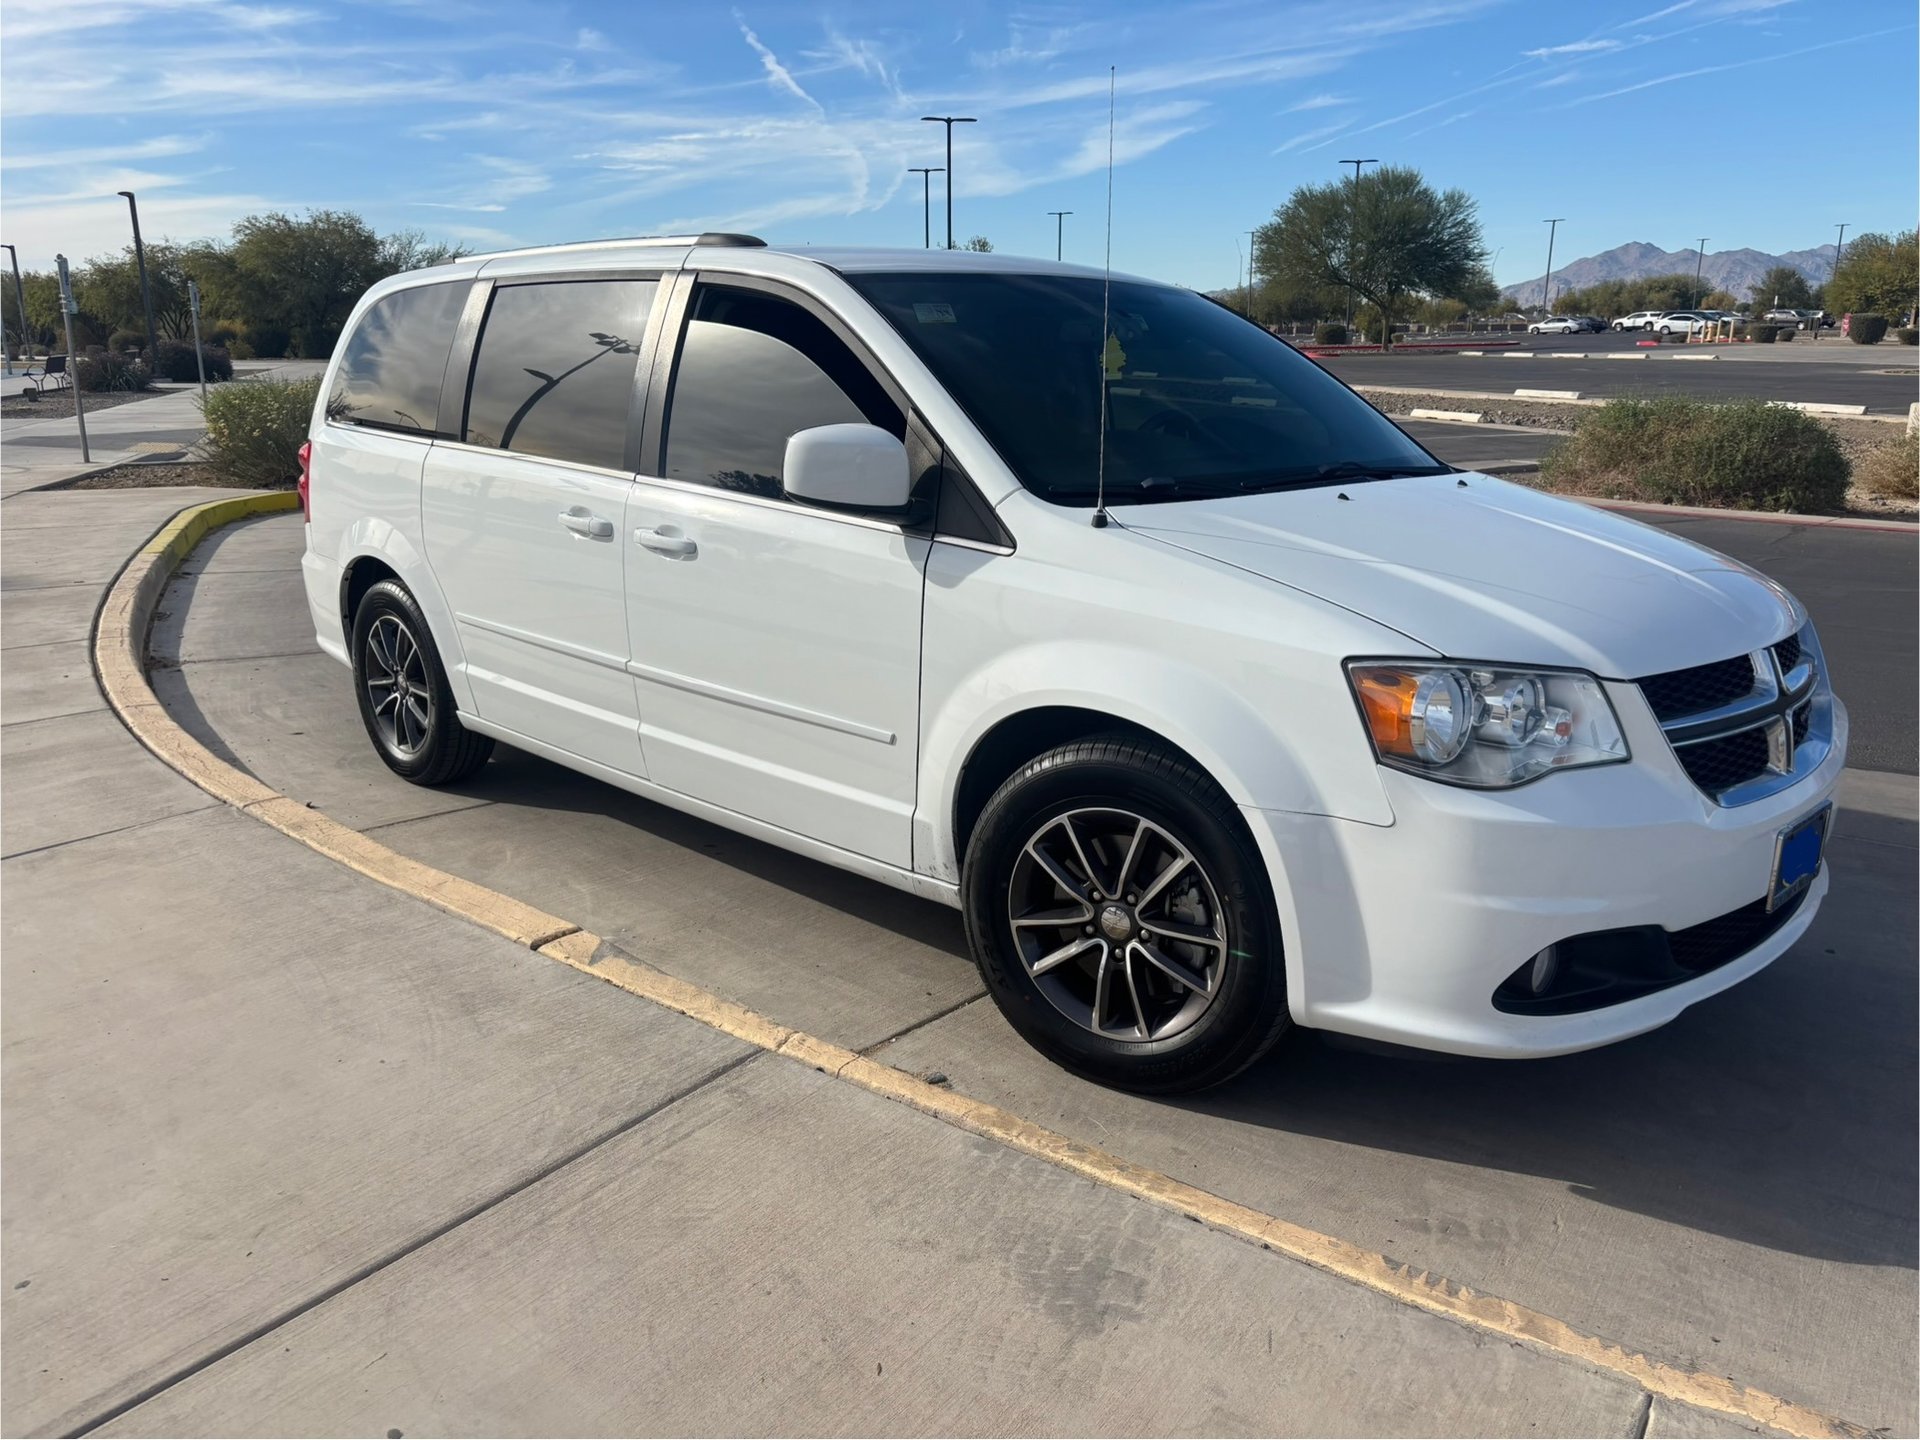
[1509,395]
[119,651]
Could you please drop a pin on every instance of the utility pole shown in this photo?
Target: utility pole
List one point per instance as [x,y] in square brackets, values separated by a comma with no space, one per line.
[950,121]
[19,310]
[199,357]
[1546,302]
[1356,164]
[1250,237]
[926,174]
[1699,264]
[67,309]
[1059,230]
[146,295]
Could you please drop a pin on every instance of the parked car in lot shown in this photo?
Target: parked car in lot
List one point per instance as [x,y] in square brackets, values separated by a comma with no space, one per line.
[1799,319]
[1639,320]
[1213,701]
[1682,321]
[1590,324]
[1556,325]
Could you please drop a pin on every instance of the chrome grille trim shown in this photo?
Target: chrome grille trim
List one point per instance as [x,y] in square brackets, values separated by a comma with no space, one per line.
[1793,707]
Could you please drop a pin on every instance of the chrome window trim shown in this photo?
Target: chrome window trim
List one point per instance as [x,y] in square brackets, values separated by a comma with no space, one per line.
[785,507]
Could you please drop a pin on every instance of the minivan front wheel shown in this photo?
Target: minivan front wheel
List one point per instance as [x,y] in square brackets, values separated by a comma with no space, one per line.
[1122,919]
[405,701]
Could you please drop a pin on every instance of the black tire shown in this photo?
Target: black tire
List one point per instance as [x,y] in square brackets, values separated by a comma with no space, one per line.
[427,744]
[1111,781]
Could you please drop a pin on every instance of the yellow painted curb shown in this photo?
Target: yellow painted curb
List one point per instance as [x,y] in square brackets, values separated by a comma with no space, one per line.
[119,645]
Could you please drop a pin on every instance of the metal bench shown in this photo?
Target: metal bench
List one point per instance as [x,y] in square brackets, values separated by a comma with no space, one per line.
[55,370]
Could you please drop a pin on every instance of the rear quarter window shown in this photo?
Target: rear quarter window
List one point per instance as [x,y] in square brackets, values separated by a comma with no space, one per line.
[390,376]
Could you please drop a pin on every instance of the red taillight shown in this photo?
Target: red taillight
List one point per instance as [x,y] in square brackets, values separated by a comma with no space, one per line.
[306,480]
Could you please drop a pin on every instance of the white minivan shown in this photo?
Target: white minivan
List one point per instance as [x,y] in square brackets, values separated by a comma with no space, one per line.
[1212,700]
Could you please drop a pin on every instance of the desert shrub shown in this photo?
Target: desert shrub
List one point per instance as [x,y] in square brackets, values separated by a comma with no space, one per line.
[1744,455]
[223,334]
[1891,470]
[240,349]
[122,341]
[1907,335]
[1867,329]
[110,370]
[175,362]
[1787,332]
[255,429]
[1763,334]
[1330,334]
[268,342]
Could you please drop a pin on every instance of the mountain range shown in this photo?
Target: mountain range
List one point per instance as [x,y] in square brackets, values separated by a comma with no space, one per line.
[1731,270]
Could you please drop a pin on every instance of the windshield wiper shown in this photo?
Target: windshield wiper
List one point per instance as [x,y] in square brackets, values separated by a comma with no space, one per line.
[1354,470]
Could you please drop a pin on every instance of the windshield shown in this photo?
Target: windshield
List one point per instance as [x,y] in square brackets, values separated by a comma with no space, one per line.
[1199,401]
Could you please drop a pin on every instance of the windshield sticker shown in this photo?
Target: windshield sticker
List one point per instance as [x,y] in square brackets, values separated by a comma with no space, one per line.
[933,312]
[1115,358]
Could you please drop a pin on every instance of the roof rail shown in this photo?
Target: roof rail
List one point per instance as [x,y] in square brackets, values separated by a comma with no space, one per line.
[711,237]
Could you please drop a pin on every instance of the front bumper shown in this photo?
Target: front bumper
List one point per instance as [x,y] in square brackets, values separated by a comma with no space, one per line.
[1403,932]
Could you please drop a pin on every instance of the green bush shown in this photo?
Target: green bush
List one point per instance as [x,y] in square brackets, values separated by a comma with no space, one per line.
[255,429]
[268,342]
[110,370]
[1744,455]
[1907,335]
[1333,334]
[175,362]
[1867,329]
[122,341]
[1763,334]
[1892,470]
[1787,332]
[222,334]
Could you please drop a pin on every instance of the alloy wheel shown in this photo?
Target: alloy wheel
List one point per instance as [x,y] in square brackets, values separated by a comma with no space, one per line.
[1118,924]
[399,694]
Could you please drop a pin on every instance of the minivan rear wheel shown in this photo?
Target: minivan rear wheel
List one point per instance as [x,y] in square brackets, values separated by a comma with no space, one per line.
[405,701]
[1122,920]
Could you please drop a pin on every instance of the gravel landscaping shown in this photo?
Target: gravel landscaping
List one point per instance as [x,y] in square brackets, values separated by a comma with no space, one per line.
[58,405]
[158,475]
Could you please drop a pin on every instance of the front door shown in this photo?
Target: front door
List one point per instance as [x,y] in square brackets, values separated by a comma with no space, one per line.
[776,645]
[525,521]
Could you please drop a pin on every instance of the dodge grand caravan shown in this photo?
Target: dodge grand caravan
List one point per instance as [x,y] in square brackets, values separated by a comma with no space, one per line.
[1213,701]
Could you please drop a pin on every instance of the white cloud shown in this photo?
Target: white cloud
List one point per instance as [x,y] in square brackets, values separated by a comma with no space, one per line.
[590,40]
[778,76]
[1318,102]
[1574,47]
[158,147]
[1307,137]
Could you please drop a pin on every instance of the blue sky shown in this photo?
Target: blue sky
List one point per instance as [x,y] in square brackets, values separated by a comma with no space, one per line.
[1758,123]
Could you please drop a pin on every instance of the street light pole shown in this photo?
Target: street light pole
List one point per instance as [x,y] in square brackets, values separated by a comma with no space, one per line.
[1546,301]
[1699,264]
[926,174]
[19,309]
[1059,230]
[1250,238]
[1356,164]
[146,295]
[950,121]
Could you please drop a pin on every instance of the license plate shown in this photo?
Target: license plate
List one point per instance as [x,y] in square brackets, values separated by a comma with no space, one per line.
[1796,856]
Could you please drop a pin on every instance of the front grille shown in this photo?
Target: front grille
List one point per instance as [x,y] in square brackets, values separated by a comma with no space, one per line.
[1715,942]
[1726,760]
[1700,687]
[1787,652]
[1802,722]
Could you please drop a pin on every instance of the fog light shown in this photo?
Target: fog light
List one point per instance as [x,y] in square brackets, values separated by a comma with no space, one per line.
[1545,967]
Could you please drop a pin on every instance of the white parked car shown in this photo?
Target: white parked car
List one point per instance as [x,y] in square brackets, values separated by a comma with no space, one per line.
[1212,700]
[1639,320]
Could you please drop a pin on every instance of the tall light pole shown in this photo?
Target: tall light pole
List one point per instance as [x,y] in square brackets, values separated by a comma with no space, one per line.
[1838,246]
[19,308]
[146,295]
[926,174]
[1699,264]
[1059,230]
[950,121]
[1553,229]
[1250,237]
[1356,164]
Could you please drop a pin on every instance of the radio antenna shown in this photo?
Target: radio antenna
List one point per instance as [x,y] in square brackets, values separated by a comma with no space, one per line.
[1106,305]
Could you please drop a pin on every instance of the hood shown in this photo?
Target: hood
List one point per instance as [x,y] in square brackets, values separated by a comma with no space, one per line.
[1489,570]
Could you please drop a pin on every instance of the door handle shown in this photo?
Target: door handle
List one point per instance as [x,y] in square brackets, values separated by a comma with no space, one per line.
[663,542]
[581,523]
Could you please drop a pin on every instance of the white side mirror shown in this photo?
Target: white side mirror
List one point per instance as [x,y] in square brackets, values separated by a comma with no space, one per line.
[855,467]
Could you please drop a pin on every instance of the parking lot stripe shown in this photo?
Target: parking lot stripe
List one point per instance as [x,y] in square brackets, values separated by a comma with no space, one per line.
[119,645]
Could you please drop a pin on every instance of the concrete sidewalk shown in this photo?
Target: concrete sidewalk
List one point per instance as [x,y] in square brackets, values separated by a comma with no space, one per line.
[288,1152]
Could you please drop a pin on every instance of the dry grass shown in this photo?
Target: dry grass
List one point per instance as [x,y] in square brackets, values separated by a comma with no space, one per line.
[1891,471]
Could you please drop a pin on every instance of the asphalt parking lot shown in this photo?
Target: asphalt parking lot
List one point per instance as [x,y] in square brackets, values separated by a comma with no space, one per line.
[1733,1193]
[1854,376]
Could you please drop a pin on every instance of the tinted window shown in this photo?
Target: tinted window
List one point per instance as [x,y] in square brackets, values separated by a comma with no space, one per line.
[1197,401]
[554,375]
[754,370]
[390,375]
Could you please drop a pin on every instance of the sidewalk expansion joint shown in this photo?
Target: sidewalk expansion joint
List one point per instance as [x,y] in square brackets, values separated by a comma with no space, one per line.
[119,641]
[401,1252]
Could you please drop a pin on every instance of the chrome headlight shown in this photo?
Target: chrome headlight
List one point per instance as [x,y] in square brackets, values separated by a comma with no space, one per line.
[1482,725]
